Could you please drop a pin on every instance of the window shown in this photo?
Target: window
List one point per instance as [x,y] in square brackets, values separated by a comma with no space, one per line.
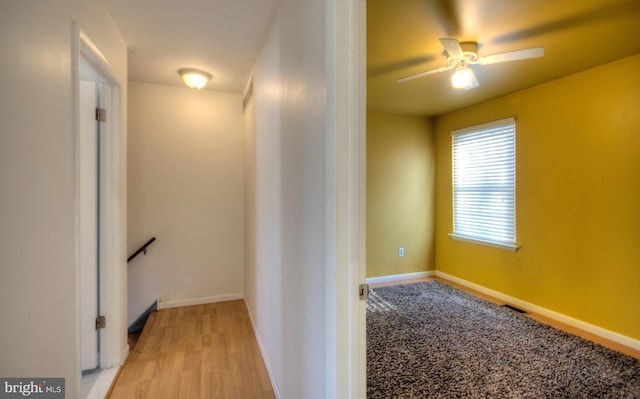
[484,184]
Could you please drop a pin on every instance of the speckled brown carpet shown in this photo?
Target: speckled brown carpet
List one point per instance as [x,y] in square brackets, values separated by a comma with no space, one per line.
[429,340]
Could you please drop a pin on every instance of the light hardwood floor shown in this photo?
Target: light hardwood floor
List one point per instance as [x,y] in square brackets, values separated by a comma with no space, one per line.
[204,351]
[561,326]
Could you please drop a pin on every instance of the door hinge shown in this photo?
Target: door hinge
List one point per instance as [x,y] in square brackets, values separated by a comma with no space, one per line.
[101,114]
[101,322]
[363,291]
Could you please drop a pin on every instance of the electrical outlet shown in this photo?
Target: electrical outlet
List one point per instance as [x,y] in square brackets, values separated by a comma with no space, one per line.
[400,251]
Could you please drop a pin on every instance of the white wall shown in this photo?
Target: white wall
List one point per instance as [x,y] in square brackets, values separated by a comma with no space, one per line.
[286,200]
[38,261]
[185,177]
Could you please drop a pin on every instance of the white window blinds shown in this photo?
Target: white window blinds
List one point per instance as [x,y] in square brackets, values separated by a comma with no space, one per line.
[484,183]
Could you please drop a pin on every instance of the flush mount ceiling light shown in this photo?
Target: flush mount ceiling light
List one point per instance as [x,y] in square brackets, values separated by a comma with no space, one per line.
[194,78]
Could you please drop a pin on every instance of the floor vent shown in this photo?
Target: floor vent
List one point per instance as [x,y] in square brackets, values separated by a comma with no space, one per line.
[514,309]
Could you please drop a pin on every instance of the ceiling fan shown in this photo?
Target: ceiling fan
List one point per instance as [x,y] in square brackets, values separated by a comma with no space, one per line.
[461,55]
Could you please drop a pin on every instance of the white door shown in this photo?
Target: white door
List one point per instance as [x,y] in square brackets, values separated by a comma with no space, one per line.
[89,211]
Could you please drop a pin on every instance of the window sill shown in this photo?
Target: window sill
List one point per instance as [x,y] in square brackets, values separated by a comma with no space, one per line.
[499,245]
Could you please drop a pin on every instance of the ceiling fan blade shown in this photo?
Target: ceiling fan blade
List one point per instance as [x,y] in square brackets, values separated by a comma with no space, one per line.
[525,54]
[447,14]
[453,48]
[421,74]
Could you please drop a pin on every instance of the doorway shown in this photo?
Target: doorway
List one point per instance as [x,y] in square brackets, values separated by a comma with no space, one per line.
[95,94]
[94,106]
[100,221]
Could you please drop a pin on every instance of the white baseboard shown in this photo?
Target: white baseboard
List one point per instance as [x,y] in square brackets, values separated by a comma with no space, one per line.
[165,304]
[529,307]
[265,358]
[124,353]
[103,383]
[396,277]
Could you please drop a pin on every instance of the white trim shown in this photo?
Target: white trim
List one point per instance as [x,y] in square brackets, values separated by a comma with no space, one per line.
[396,277]
[124,354]
[263,352]
[489,125]
[529,307]
[345,331]
[164,304]
[103,383]
[493,244]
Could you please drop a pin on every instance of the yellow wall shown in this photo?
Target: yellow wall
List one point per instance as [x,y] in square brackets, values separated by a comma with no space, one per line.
[578,198]
[400,199]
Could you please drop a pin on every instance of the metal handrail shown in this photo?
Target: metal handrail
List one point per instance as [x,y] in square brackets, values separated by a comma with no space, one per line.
[141,249]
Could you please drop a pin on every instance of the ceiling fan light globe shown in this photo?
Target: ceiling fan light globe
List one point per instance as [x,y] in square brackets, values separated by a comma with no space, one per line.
[462,78]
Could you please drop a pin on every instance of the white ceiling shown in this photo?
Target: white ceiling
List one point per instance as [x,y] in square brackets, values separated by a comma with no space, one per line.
[222,37]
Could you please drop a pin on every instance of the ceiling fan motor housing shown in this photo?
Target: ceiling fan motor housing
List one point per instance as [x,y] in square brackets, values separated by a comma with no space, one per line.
[470,51]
